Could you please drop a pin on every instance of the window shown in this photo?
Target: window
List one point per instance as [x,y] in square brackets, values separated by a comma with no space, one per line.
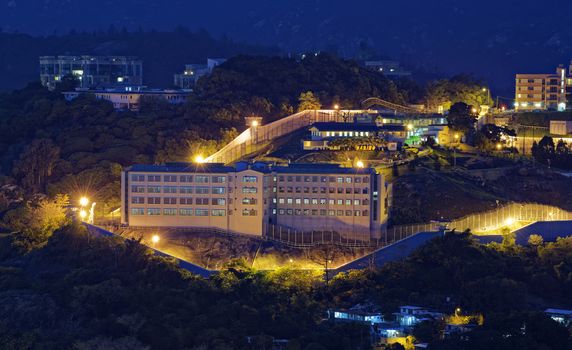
[322,201]
[154,200]
[137,177]
[202,179]
[281,178]
[201,190]
[298,189]
[332,190]
[202,201]
[219,190]
[169,189]
[281,211]
[138,200]
[322,190]
[365,202]
[323,212]
[348,202]
[357,213]
[365,213]
[249,201]
[340,190]
[281,189]
[185,189]
[169,211]
[357,190]
[153,211]
[348,213]
[340,213]
[306,212]
[356,202]
[170,178]
[348,190]
[186,178]
[358,180]
[306,189]
[186,200]
[289,200]
[219,179]
[331,201]
[137,189]
[169,200]
[297,212]
[249,190]
[289,212]
[306,200]
[340,180]
[314,189]
[340,202]
[281,200]
[273,200]
[137,211]
[248,212]
[186,212]
[298,200]
[154,178]
[365,190]
[331,213]
[314,212]
[289,189]
[249,179]
[218,201]
[218,212]
[314,200]
[332,179]
[201,212]
[153,189]
[348,180]
[314,179]
[324,179]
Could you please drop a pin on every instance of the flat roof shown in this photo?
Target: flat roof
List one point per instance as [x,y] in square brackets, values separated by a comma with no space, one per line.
[182,168]
[333,126]
[559,311]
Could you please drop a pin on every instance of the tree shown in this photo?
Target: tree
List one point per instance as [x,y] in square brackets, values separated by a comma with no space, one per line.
[544,151]
[395,170]
[307,101]
[35,222]
[535,240]
[36,164]
[490,135]
[461,118]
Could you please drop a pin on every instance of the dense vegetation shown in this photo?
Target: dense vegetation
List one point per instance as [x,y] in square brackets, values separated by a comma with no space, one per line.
[77,292]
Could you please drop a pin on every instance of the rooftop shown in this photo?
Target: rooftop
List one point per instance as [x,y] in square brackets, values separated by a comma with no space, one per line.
[559,311]
[333,126]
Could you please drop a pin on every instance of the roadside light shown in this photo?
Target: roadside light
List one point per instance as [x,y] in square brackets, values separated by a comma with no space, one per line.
[254,123]
[199,159]
[336,106]
[509,221]
[456,136]
[457,311]
[83,201]
[484,89]
[360,164]
[155,239]
[82,214]
[291,261]
[499,146]
[474,110]
[409,126]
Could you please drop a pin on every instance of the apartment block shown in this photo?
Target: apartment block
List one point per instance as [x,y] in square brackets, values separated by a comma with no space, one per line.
[193,72]
[91,71]
[254,198]
[543,91]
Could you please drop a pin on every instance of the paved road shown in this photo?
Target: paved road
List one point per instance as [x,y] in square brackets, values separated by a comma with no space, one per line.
[549,230]
[397,251]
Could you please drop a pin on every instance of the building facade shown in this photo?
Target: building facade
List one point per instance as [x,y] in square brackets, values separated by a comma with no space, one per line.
[129,98]
[91,71]
[255,198]
[193,72]
[543,91]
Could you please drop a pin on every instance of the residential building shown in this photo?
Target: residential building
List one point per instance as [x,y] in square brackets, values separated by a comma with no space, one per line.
[91,71]
[409,316]
[255,198]
[561,127]
[543,91]
[129,97]
[388,68]
[193,72]
[562,316]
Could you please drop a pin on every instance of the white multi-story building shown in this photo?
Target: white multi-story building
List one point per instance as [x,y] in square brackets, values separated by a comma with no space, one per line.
[255,198]
[193,72]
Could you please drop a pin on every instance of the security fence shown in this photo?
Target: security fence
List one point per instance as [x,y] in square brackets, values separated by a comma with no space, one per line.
[481,223]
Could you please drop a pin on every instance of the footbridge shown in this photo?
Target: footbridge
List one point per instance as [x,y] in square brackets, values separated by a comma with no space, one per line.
[258,136]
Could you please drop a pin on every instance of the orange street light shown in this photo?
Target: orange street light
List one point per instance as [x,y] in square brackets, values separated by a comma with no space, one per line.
[155,239]
[199,159]
[336,106]
[83,201]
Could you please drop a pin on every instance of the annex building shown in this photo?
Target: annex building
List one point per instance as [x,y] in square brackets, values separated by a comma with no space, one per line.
[253,198]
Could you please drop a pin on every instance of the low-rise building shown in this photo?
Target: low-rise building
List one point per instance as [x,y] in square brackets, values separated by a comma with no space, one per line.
[562,316]
[409,316]
[255,198]
[129,97]
[193,72]
[91,71]
[561,127]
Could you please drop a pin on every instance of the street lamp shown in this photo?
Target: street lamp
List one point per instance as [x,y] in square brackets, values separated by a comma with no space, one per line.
[499,146]
[360,164]
[336,106]
[254,123]
[83,201]
[155,239]
[82,214]
[199,158]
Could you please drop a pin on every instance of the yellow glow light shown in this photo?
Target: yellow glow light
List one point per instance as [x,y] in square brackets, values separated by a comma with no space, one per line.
[360,164]
[336,106]
[499,146]
[155,239]
[254,123]
[457,136]
[409,126]
[509,221]
[474,110]
[199,159]
[82,214]
[83,201]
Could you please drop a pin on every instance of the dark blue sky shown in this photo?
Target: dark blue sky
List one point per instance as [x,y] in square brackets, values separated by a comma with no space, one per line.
[491,39]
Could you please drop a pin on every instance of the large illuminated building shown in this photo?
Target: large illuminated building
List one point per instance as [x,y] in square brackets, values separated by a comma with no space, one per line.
[543,91]
[91,71]
[254,198]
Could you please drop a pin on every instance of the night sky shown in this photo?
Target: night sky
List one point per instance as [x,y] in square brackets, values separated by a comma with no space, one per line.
[487,38]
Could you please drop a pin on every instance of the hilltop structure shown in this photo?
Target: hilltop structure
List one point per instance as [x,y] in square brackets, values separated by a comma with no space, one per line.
[543,91]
